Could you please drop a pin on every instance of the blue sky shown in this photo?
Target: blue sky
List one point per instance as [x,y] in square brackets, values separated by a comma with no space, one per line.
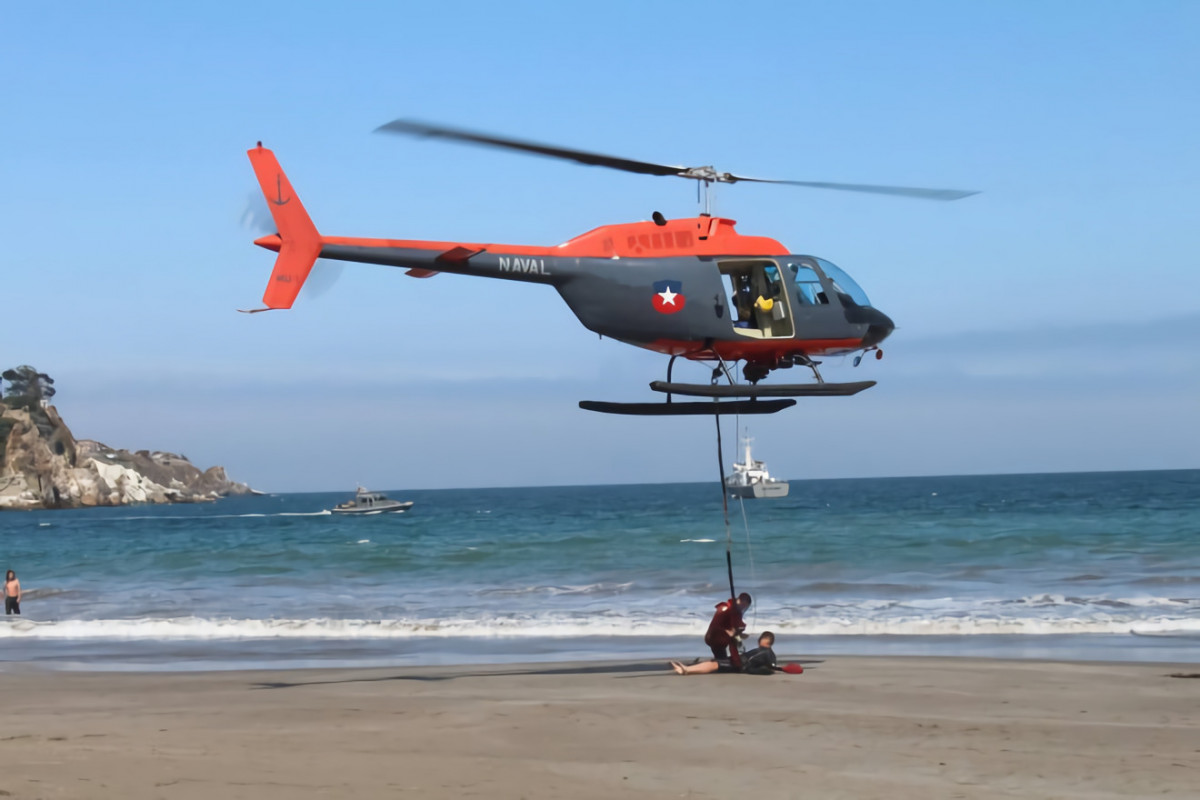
[1049,323]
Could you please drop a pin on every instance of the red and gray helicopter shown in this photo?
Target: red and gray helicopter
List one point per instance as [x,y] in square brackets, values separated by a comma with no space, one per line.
[692,288]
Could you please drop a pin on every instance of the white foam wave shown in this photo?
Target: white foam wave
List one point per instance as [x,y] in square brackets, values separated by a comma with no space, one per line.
[698,540]
[196,628]
[1145,601]
[602,588]
[173,517]
[324,513]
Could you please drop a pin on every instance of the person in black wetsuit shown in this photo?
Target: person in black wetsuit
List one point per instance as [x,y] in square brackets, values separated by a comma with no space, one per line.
[759,661]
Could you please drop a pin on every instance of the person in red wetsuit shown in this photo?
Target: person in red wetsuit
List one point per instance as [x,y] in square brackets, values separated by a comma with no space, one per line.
[727,629]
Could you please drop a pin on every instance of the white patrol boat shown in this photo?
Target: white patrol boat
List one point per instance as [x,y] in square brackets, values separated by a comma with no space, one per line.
[366,503]
[750,478]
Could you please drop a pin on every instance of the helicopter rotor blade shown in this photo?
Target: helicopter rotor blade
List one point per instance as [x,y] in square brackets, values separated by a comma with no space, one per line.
[895,191]
[706,175]
[414,128]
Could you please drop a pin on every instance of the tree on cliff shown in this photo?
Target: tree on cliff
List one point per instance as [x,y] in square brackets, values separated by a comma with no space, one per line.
[28,384]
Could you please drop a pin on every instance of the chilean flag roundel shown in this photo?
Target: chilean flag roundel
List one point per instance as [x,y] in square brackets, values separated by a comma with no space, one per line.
[668,297]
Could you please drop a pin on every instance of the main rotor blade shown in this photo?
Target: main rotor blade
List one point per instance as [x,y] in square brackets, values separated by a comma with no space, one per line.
[414,128]
[706,174]
[897,191]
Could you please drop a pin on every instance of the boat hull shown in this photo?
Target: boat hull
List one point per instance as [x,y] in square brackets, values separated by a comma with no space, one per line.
[759,491]
[398,508]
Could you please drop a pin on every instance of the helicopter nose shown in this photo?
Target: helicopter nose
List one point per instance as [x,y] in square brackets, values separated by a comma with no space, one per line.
[879,327]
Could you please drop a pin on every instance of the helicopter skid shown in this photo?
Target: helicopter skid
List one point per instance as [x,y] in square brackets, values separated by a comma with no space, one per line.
[754,390]
[670,409]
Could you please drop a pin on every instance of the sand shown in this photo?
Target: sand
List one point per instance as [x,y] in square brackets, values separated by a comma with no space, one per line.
[891,728]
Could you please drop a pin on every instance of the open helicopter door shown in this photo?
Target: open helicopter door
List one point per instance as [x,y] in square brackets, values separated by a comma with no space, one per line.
[757,298]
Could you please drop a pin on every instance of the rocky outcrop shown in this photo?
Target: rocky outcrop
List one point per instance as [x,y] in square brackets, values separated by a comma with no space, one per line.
[43,466]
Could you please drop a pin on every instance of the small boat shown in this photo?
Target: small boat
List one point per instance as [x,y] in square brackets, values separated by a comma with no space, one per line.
[750,478]
[367,503]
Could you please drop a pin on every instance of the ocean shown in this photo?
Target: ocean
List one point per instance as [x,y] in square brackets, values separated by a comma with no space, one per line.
[1102,566]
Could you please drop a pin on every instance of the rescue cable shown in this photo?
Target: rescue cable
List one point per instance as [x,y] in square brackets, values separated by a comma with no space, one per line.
[725,509]
[737,426]
[749,557]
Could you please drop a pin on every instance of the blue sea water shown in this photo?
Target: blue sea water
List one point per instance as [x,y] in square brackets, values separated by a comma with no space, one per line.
[1053,566]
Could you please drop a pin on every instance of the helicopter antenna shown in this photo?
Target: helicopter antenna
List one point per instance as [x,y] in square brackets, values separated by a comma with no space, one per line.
[710,196]
[706,175]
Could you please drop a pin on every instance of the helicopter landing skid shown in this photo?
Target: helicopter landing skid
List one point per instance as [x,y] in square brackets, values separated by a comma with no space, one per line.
[754,390]
[669,409]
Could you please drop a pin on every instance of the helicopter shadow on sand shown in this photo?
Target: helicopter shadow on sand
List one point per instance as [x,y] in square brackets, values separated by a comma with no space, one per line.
[639,669]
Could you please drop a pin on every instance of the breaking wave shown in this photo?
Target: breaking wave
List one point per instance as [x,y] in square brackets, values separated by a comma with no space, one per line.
[198,628]
[602,589]
[177,517]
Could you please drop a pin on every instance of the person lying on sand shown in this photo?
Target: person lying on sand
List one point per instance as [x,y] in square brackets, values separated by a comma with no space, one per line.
[759,661]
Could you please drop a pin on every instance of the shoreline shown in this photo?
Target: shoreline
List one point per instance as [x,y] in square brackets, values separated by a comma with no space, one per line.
[895,727]
[19,653]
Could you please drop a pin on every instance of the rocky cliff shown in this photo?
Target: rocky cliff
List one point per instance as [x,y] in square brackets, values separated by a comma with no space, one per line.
[43,466]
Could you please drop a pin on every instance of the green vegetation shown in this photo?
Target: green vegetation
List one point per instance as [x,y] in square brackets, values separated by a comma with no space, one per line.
[26,390]
[27,385]
[6,425]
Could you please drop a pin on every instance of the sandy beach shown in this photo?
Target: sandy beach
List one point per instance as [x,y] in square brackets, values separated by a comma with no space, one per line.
[849,727]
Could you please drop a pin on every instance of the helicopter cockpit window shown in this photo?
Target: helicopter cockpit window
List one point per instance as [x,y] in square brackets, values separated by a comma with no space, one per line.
[771,273]
[843,284]
[808,285]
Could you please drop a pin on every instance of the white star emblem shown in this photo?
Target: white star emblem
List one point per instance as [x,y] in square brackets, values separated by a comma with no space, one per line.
[668,297]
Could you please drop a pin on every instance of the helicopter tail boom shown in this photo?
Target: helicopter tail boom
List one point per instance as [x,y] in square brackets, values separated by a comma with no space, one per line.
[297,242]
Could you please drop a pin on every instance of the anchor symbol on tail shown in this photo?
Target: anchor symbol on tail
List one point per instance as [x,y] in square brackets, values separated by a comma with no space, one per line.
[279,191]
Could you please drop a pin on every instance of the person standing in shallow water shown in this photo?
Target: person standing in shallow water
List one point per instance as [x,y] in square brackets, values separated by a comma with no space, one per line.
[12,594]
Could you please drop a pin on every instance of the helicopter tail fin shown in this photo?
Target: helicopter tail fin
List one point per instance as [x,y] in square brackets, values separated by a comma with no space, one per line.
[297,241]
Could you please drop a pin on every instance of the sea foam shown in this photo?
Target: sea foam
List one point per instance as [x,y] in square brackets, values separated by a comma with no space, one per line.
[198,628]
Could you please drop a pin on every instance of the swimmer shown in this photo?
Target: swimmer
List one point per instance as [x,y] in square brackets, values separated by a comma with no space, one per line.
[12,594]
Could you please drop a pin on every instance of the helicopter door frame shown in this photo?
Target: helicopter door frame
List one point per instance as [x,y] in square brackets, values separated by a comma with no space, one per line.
[747,279]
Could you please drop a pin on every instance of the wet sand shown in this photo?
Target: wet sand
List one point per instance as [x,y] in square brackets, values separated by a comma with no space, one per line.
[850,727]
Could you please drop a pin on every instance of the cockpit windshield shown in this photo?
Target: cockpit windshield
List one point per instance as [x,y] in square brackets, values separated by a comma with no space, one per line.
[843,283]
[808,284]
[809,290]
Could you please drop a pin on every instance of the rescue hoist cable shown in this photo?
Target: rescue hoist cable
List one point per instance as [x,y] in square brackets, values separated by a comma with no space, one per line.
[737,426]
[725,509]
[737,420]
[749,556]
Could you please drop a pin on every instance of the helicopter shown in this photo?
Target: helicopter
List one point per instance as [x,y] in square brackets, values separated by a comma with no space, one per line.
[692,287]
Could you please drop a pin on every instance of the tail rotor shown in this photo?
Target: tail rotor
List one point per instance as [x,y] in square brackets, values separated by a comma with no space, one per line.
[256,218]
